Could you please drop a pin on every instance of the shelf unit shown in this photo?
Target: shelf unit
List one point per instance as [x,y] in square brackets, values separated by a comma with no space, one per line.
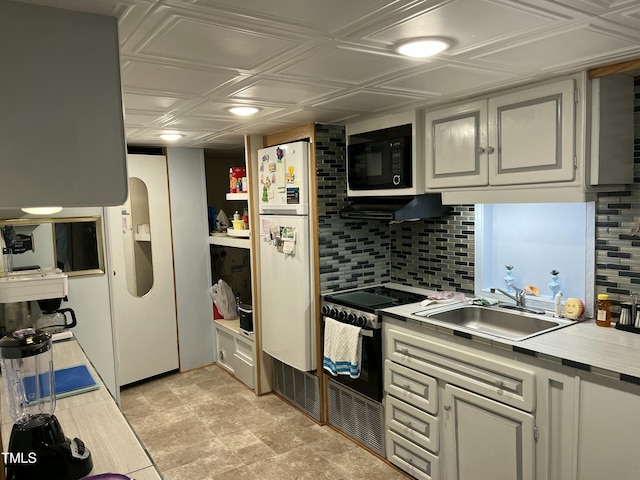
[234,350]
[227,241]
[238,196]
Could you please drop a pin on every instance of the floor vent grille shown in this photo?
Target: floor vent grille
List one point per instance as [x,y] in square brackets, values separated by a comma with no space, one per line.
[357,416]
[300,388]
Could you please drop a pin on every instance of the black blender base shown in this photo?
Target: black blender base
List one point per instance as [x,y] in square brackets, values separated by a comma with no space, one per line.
[38,450]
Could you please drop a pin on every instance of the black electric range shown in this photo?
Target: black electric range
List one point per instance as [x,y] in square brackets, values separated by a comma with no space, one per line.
[359,307]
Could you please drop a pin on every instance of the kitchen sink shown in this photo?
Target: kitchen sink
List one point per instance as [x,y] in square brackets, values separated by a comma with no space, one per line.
[512,324]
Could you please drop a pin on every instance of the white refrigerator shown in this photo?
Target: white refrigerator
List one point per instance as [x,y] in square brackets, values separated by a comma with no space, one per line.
[287,306]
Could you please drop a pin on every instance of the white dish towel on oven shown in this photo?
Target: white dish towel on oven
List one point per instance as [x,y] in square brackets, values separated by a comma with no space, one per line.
[342,348]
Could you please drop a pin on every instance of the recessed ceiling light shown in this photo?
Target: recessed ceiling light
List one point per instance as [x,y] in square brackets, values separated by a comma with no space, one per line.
[243,111]
[422,47]
[41,210]
[171,137]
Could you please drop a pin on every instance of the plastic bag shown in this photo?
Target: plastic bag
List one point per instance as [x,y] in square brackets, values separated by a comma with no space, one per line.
[222,295]
[222,221]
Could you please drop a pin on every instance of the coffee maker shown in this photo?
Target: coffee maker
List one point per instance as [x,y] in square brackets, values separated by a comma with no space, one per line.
[38,448]
[52,318]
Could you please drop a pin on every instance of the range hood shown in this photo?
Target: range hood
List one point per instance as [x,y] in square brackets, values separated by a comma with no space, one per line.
[396,209]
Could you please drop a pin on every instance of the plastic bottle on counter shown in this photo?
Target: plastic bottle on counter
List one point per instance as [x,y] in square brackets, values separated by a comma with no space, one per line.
[603,314]
[245,218]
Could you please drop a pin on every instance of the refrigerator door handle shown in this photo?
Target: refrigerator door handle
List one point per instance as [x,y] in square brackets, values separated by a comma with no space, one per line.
[278,211]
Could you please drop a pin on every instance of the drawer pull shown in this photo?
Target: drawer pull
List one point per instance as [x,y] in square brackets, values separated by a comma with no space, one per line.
[404,351]
[499,383]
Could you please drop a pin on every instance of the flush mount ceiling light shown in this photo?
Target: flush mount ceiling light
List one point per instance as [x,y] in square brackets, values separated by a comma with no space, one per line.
[171,137]
[243,111]
[41,210]
[422,47]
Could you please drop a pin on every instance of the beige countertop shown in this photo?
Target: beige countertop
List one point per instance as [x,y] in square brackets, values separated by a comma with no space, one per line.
[95,418]
[583,344]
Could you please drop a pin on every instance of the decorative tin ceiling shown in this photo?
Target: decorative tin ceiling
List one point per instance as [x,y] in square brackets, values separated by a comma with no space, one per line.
[331,61]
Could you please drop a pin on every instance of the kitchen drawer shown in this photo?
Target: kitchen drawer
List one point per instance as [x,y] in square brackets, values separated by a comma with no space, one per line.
[245,349]
[412,423]
[411,458]
[243,370]
[477,371]
[413,387]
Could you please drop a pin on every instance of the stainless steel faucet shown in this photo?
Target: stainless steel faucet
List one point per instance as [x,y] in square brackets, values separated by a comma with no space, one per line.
[519,297]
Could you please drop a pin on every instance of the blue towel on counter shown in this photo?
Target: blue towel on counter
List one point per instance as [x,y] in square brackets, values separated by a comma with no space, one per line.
[342,348]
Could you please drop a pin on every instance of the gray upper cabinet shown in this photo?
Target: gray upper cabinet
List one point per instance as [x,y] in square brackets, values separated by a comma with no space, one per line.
[523,137]
[557,140]
[62,136]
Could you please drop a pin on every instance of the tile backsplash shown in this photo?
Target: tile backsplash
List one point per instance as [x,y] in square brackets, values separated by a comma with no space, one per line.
[617,249]
[352,253]
[434,253]
[439,253]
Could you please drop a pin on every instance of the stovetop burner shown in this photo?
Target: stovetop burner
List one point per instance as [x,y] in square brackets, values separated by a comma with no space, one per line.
[373,298]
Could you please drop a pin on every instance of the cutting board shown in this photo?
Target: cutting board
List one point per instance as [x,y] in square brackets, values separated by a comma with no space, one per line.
[69,381]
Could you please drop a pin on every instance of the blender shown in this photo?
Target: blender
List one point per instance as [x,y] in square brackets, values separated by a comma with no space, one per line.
[38,448]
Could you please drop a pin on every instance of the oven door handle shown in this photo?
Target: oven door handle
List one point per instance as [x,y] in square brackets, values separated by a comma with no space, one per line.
[366,333]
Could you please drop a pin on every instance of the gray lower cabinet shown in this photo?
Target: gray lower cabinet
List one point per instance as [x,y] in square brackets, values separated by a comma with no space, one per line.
[608,429]
[462,410]
[487,440]
[413,434]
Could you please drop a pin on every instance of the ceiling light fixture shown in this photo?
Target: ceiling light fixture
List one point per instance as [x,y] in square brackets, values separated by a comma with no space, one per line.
[422,47]
[41,210]
[243,111]
[171,137]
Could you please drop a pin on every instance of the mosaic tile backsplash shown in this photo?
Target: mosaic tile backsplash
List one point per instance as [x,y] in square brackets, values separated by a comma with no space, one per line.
[434,253]
[439,253]
[352,253]
[617,249]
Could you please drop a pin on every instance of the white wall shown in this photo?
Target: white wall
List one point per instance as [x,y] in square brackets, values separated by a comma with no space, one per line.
[535,239]
[187,190]
[89,298]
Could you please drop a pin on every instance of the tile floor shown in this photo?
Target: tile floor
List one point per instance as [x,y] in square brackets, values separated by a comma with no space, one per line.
[206,425]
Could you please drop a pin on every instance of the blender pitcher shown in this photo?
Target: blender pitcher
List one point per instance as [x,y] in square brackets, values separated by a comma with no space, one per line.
[38,447]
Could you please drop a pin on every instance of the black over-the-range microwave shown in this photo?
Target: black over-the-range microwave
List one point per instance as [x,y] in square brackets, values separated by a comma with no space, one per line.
[380,164]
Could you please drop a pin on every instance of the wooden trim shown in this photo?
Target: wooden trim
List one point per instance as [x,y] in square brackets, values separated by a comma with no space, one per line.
[262,365]
[290,135]
[314,231]
[622,67]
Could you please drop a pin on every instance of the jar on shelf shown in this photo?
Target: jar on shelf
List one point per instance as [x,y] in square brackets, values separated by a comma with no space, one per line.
[603,314]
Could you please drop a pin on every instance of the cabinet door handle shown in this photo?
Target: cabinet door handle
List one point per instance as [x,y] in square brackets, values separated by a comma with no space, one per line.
[446,407]
[490,150]
[481,150]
